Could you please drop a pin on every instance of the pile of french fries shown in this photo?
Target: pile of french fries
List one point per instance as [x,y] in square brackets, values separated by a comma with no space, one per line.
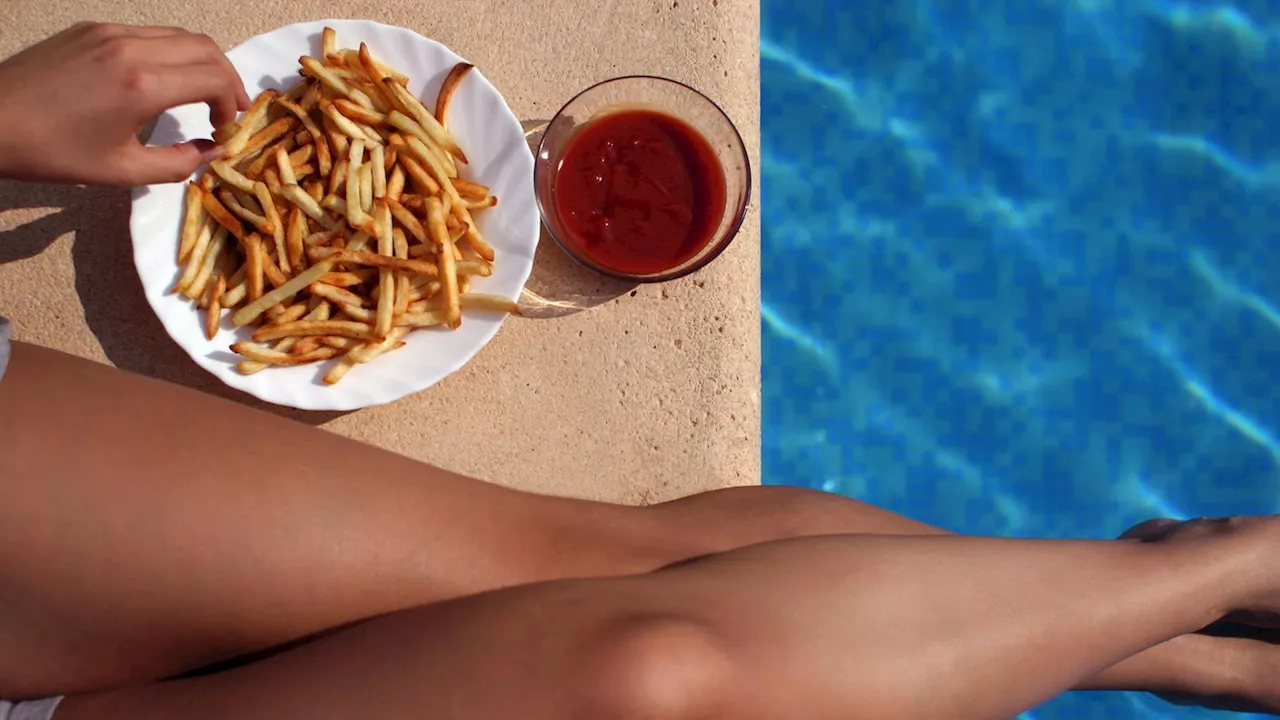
[336,223]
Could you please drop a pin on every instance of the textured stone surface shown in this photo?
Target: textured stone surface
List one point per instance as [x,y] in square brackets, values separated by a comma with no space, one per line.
[643,397]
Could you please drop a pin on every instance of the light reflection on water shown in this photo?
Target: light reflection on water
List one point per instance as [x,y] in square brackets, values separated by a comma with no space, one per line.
[1019,264]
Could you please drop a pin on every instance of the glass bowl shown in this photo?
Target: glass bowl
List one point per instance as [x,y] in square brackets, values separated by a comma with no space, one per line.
[669,97]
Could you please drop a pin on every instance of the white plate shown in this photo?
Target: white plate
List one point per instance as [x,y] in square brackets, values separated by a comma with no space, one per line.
[488,132]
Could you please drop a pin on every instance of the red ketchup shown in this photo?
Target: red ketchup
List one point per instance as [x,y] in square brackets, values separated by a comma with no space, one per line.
[639,192]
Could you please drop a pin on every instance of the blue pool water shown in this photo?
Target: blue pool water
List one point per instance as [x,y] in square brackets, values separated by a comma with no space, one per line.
[1022,264]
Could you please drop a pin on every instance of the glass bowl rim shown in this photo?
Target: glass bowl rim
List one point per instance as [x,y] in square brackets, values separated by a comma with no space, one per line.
[730,233]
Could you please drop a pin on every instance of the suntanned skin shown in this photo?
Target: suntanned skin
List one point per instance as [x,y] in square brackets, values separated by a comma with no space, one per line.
[234,559]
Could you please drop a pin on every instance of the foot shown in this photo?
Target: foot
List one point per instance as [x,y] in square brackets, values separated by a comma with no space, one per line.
[1253,539]
[1227,673]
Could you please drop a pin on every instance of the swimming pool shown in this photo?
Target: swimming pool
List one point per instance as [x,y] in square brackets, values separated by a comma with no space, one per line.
[1019,276]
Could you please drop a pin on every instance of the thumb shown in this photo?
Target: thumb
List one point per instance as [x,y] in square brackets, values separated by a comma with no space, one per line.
[171,164]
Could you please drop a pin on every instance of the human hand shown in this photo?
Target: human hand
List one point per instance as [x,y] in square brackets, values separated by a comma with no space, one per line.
[72,106]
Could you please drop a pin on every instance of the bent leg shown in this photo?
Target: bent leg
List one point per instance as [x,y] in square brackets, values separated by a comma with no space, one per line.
[881,627]
[147,529]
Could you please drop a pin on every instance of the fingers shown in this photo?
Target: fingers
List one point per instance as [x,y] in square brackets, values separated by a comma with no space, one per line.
[1151,530]
[156,165]
[160,89]
[190,50]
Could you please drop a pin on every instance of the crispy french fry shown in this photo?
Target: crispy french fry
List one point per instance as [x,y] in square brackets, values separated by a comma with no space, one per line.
[395,182]
[308,205]
[481,301]
[386,276]
[468,190]
[223,217]
[411,106]
[211,256]
[263,138]
[214,312]
[359,114]
[377,260]
[335,294]
[343,328]
[268,356]
[349,278]
[254,309]
[407,221]
[274,223]
[347,126]
[253,265]
[366,187]
[378,171]
[451,81]
[430,318]
[328,42]
[192,221]
[285,168]
[448,269]
[291,313]
[329,79]
[195,257]
[295,230]
[248,124]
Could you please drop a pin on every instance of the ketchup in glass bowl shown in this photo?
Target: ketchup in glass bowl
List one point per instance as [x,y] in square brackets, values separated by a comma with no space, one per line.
[642,178]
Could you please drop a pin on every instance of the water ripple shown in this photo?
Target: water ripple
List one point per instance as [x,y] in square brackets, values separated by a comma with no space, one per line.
[1018,263]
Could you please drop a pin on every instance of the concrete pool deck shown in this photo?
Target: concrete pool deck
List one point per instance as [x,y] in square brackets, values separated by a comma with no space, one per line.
[651,394]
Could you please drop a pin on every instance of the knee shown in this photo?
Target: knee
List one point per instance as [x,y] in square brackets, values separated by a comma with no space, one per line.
[655,668]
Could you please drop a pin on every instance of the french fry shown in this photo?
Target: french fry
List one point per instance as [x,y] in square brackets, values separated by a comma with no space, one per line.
[343,328]
[263,138]
[308,205]
[291,313]
[248,124]
[377,260]
[223,217]
[192,221]
[274,224]
[448,268]
[378,171]
[328,42]
[451,81]
[386,276]
[481,301]
[395,183]
[254,309]
[349,278]
[347,126]
[211,256]
[269,356]
[253,266]
[356,217]
[413,107]
[195,257]
[359,113]
[295,231]
[214,312]
[335,294]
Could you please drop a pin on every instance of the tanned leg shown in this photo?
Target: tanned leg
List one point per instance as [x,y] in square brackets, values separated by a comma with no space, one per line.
[877,627]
